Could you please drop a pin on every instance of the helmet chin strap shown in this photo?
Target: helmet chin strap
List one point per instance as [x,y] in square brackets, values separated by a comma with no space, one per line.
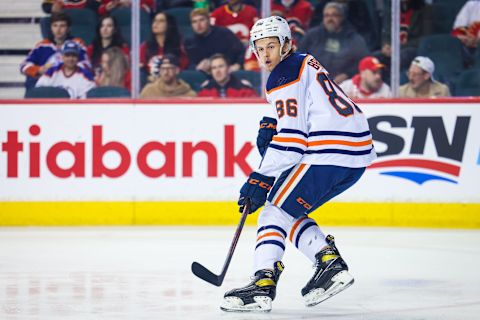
[284,55]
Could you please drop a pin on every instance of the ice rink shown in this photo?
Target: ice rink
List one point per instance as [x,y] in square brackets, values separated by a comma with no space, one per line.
[144,273]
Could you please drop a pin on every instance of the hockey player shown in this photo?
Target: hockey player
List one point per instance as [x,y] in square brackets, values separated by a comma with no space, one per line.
[318,147]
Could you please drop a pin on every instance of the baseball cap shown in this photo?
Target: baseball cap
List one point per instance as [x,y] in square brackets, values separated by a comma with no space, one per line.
[71,47]
[425,64]
[370,63]
[169,59]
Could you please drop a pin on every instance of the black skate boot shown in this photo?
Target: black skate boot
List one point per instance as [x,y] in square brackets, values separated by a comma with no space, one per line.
[331,275]
[257,295]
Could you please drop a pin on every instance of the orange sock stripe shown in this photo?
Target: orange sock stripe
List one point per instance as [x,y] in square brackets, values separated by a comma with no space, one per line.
[282,193]
[295,226]
[270,234]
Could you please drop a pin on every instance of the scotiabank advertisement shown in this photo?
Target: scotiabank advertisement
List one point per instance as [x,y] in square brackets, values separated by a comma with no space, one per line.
[427,152]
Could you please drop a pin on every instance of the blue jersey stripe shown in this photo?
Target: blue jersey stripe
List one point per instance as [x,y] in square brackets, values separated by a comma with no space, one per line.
[282,148]
[302,230]
[277,243]
[340,151]
[273,227]
[294,132]
[339,133]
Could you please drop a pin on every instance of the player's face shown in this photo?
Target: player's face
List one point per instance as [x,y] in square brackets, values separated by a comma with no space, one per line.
[372,79]
[59,30]
[70,61]
[159,24]
[200,24]
[268,50]
[219,69]
[106,28]
[417,76]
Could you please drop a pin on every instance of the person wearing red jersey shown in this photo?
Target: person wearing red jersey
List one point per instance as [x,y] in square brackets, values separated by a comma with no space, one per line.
[236,16]
[223,84]
[108,5]
[296,12]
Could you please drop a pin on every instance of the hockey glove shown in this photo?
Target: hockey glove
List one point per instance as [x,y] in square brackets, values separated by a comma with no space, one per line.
[268,128]
[256,188]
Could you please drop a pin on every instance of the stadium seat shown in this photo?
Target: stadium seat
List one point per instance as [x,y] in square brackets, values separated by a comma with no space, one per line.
[84,23]
[446,52]
[445,12]
[193,78]
[108,92]
[182,17]
[468,83]
[123,18]
[254,77]
[47,92]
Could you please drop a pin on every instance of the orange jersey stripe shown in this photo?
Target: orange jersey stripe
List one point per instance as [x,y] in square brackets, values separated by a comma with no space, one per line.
[341,142]
[270,234]
[295,226]
[294,81]
[296,140]
[300,168]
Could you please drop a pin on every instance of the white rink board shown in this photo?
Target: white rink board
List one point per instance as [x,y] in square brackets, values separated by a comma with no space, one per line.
[404,126]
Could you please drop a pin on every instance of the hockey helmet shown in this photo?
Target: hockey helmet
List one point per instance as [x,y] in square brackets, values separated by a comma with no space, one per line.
[273,26]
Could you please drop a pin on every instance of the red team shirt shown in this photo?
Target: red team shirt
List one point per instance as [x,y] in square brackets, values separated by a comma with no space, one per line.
[239,23]
[300,12]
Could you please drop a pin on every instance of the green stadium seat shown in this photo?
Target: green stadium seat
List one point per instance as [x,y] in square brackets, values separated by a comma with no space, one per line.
[123,18]
[254,77]
[468,83]
[194,78]
[446,52]
[108,92]
[47,92]
[84,23]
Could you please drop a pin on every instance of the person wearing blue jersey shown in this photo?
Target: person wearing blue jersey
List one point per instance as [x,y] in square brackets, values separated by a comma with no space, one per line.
[318,146]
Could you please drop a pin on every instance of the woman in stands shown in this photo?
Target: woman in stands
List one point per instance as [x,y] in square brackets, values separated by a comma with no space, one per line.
[165,39]
[115,71]
[107,36]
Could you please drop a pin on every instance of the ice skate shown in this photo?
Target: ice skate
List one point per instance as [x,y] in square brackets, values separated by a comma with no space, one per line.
[331,275]
[258,295]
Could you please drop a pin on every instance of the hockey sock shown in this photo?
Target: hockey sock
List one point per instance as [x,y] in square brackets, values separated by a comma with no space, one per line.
[307,237]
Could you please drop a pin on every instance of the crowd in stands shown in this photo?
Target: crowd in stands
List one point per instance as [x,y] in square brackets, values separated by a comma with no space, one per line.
[200,48]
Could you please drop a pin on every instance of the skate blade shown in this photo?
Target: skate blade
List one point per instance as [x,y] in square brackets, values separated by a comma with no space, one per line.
[341,281]
[234,304]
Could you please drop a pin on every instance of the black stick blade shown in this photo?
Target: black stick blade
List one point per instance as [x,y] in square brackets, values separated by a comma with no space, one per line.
[205,274]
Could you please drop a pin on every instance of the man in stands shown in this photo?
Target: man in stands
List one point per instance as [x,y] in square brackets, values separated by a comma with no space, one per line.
[368,83]
[68,75]
[223,84]
[167,84]
[47,53]
[336,42]
[236,16]
[209,40]
[108,6]
[420,81]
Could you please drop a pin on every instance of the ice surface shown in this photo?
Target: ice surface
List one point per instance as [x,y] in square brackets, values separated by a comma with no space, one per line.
[144,273]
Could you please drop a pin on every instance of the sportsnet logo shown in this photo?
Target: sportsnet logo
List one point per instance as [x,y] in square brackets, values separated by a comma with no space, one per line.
[419,166]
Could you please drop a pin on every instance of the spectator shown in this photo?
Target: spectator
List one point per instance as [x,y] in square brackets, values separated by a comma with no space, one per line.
[298,13]
[208,40]
[55,6]
[223,84]
[68,75]
[47,53]
[420,81]
[467,29]
[336,42]
[115,71]
[236,16]
[368,83]
[107,6]
[165,39]
[108,35]
[167,84]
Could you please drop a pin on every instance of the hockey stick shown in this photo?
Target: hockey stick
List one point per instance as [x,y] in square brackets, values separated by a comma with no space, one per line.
[205,274]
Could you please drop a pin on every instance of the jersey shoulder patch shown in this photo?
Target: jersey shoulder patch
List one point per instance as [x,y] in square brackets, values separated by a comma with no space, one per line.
[286,71]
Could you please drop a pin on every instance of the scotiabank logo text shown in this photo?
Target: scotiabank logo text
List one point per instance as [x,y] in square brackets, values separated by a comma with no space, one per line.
[16,145]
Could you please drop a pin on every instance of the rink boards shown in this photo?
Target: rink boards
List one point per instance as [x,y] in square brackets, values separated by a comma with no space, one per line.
[121,163]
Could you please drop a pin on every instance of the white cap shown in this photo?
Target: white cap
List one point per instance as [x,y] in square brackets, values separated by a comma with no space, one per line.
[425,64]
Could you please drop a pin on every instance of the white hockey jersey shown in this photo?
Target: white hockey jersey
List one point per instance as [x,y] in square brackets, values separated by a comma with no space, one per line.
[317,123]
[77,84]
